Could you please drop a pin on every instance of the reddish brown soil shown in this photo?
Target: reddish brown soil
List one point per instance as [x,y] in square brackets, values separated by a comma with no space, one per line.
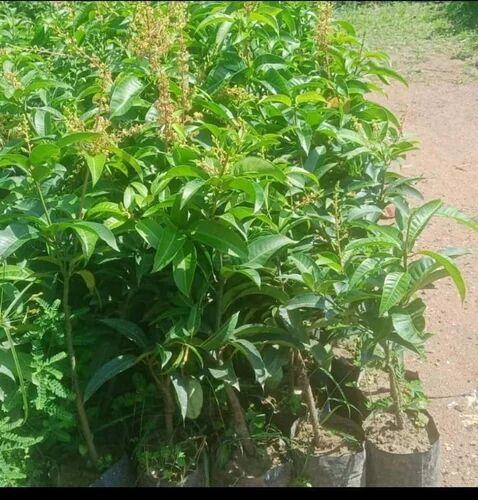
[440,108]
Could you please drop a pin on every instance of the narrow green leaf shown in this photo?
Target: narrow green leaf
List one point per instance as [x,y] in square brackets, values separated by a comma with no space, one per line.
[405,328]
[451,268]
[14,236]
[95,165]
[170,241]
[16,273]
[184,267]
[190,189]
[181,389]
[149,231]
[418,220]
[107,372]
[395,288]
[258,167]
[460,217]
[263,248]
[88,242]
[222,336]
[129,329]
[77,137]
[195,398]
[220,237]
[253,356]
[126,88]
[226,374]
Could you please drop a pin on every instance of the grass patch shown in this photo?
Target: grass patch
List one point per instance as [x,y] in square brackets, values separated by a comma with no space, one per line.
[416,30]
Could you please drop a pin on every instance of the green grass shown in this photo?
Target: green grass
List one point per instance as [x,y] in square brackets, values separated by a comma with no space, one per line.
[415,30]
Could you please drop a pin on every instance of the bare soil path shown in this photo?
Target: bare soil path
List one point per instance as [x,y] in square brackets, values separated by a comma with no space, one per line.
[440,109]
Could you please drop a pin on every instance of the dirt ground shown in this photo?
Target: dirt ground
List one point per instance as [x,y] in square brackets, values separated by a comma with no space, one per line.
[440,109]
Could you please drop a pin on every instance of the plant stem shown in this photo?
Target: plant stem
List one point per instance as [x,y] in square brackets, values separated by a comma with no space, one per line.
[240,424]
[291,372]
[395,393]
[164,387]
[309,399]
[80,407]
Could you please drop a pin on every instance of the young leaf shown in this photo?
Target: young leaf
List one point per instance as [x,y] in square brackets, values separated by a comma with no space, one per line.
[395,288]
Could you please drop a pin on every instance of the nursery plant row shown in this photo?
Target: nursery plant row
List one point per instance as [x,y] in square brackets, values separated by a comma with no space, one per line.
[202,216]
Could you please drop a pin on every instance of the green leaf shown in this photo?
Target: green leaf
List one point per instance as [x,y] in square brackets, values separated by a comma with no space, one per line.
[264,247]
[451,268]
[190,189]
[181,388]
[395,288]
[310,97]
[99,230]
[14,236]
[170,241]
[280,98]
[88,278]
[126,88]
[130,330]
[149,231]
[418,220]
[184,268]
[383,71]
[16,273]
[306,301]
[226,374]
[364,268]
[44,153]
[88,242]
[220,237]
[107,372]
[253,356]
[95,165]
[195,398]
[216,18]
[405,328]
[77,137]
[460,217]
[257,166]
[223,335]
[252,274]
